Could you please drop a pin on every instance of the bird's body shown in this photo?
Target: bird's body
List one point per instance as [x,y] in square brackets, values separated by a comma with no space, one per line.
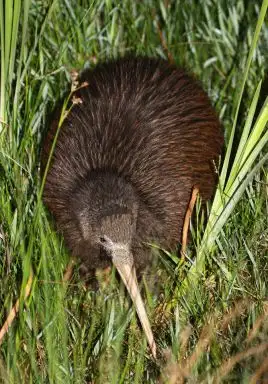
[143,135]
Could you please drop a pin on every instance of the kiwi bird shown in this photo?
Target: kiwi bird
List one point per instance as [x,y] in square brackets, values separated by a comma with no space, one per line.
[140,136]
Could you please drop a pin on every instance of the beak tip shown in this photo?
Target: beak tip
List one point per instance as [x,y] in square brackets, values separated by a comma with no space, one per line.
[153,349]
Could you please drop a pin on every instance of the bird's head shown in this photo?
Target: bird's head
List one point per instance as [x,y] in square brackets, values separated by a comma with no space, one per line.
[105,208]
[101,217]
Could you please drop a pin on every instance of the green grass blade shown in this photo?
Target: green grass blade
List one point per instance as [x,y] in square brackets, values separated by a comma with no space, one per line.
[3,68]
[65,331]
[14,38]
[8,28]
[224,203]
[243,139]
[245,76]
[257,131]
[26,8]
[229,207]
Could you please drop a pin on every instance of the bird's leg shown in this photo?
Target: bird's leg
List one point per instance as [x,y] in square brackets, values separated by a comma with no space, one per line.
[186,223]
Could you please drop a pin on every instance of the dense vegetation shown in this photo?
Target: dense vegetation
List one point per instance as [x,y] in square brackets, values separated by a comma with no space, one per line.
[210,317]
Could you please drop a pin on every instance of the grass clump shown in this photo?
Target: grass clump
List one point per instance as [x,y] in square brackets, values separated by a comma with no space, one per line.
[211,326]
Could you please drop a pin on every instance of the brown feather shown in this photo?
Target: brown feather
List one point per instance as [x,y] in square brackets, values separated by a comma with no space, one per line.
[143,136]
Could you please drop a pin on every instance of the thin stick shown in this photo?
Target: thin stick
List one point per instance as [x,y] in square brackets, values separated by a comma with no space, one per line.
[12,314]
[256,377]
[69,271]
[258,323]
[186,223]
[228,365]
[164,44]
[162,39]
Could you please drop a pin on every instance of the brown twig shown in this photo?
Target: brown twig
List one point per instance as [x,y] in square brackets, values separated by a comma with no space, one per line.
[181,370]
[170,373]
[164,44]
[258,323]
[184,339]
[186,223]
[69,271]
[228,365]
[12,314]
[260,371]
[162,39]
[202,344]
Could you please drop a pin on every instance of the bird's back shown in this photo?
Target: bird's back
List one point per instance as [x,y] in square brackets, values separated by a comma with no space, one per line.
[148,122]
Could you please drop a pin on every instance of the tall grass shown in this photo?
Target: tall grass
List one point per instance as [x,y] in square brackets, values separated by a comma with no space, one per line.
[65,332]
[236,173]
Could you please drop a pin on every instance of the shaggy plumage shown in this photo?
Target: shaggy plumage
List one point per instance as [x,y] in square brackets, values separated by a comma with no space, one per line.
[128,156]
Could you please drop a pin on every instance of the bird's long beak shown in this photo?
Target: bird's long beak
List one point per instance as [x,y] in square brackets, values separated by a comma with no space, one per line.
[123,261]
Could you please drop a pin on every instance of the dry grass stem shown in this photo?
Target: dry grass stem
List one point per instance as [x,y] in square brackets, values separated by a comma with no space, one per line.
[163,40]
[184,339]
[256,378]
[183,369]
[69,271]
[229,364]
[203,342]
[12,314]
[258,323]
[237,310]
[187,219]
[170,373]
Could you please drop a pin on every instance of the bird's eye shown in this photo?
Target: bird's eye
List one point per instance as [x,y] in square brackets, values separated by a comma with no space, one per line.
[103,240]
